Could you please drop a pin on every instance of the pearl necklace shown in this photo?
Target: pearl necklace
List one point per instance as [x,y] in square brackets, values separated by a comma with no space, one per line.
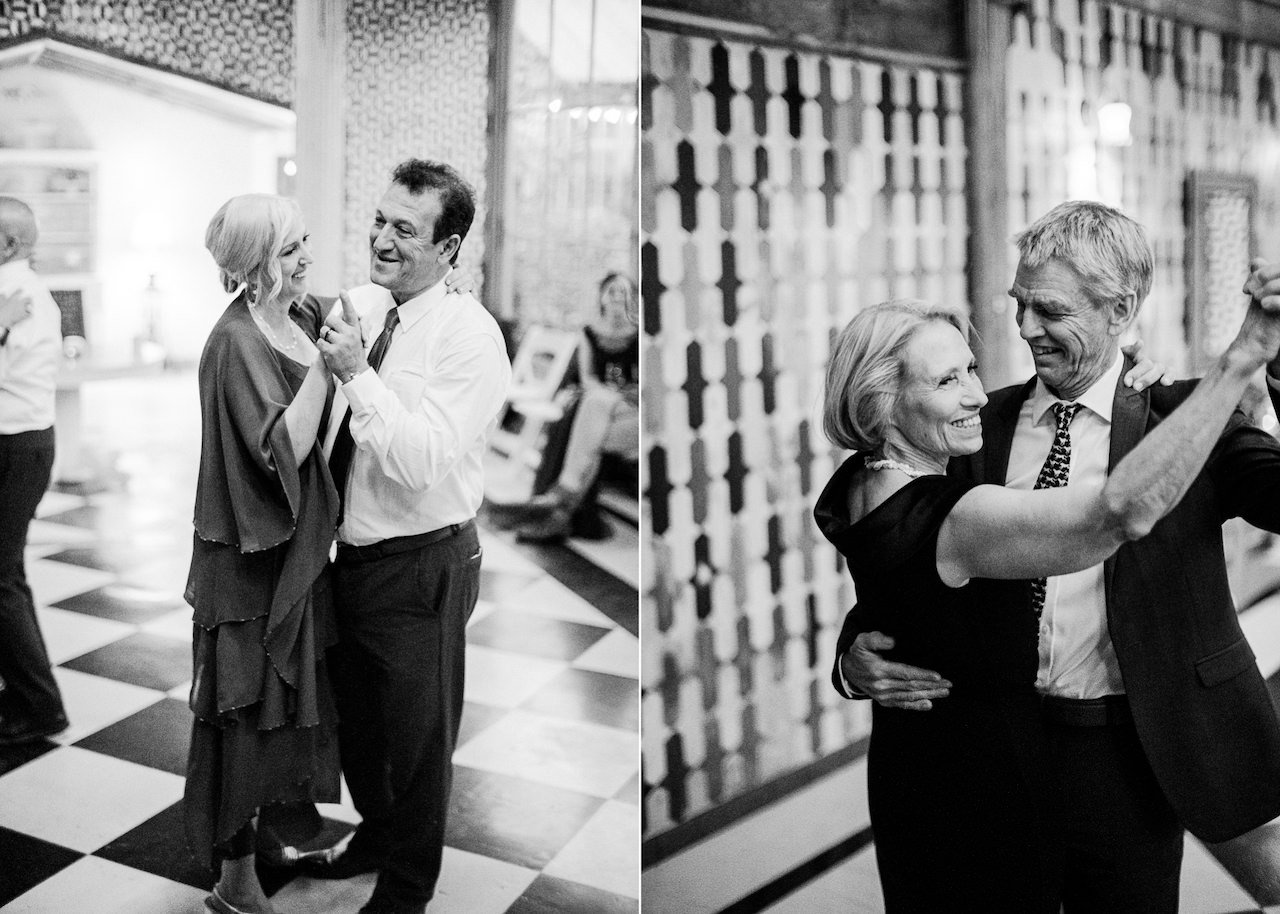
[261,319]
[886,463]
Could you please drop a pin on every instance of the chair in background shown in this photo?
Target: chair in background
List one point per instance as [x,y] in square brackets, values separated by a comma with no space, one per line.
[537,399]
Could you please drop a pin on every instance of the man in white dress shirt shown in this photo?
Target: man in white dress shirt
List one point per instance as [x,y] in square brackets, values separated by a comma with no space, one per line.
[30,350]
[424,377]
[1156,715]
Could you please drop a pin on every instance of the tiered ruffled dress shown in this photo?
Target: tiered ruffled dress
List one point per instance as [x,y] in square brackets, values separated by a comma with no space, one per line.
[265,722]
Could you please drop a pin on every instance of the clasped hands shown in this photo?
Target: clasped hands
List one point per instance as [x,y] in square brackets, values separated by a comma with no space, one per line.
[15,307]
[341,342]
[1261,327]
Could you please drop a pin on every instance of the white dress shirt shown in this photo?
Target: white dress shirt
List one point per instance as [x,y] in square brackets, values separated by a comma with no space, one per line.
[1077,659]
[421,422]
[30,357]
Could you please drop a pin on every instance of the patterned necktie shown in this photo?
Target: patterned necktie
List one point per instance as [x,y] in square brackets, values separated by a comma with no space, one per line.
[344,445]
[1054,474]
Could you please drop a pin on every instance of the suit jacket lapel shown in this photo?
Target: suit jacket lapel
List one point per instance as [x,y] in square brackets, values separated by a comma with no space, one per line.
[1129,414]
[999,421]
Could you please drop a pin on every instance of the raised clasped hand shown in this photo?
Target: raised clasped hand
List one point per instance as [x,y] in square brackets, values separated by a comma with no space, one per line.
[1260,331]
[14,309]
[340,342]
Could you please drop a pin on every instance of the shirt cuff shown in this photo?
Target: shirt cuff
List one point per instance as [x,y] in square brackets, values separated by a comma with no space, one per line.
[848,690]
[361,390]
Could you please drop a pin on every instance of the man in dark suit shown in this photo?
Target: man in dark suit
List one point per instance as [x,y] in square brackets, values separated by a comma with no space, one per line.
[1156,713]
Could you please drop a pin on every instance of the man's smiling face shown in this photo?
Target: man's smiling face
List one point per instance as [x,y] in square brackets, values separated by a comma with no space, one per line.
[403,258]
[1073,341]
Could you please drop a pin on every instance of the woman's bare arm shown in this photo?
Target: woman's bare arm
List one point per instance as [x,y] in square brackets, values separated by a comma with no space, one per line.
[994,532]
[302,416]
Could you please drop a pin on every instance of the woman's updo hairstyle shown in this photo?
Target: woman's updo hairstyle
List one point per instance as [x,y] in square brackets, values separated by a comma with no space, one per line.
[866,371]
[245,237]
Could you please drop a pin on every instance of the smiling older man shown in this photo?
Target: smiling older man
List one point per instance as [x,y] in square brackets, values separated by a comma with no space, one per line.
[1156,713]
[407,460]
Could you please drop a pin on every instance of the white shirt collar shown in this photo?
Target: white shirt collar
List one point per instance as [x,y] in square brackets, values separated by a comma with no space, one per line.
[14,269]
[1098,399]
[414,309]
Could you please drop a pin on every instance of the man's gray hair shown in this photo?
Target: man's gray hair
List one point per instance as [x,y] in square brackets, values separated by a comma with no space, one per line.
[1107,249]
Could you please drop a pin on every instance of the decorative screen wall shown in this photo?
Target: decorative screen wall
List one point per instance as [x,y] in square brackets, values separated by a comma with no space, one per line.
[1199,100]
[417,85]
[244,45]
[782,190]
[572,124]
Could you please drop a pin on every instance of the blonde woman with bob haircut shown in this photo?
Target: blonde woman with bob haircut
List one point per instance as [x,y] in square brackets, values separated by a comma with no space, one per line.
[265,513]
[961,806]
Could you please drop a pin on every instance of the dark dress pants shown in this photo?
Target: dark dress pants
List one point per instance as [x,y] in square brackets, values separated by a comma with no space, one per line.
[398,672]
[1124,843]
[30,692]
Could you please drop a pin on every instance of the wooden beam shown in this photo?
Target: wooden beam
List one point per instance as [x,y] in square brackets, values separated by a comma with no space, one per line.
[987,32]
[498,278]
[320,102]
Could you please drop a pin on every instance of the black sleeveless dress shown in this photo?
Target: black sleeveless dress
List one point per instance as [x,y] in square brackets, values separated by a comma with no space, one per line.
[961,797]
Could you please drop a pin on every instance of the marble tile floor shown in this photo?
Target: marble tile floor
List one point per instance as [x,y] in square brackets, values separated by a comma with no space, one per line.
[545,805]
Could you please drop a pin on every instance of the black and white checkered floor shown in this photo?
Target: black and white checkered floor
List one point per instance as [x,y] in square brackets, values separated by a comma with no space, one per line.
[545,813]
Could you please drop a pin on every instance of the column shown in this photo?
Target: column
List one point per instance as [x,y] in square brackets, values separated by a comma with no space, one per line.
[320,103]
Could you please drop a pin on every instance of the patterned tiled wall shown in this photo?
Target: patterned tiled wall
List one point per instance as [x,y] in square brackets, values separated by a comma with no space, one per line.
[245,45]
[782,190]
[1199,101]
[416,86]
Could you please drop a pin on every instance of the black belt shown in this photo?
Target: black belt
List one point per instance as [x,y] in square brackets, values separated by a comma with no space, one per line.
[1107,711]
[397,544]
[38,438]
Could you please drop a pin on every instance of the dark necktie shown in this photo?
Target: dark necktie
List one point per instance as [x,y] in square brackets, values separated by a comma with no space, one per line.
[344,445]
[1053,475]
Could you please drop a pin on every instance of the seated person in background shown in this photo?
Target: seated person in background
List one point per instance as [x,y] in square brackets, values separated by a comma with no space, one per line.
[607,418]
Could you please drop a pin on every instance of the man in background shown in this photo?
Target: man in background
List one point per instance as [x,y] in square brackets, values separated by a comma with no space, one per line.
[30,350]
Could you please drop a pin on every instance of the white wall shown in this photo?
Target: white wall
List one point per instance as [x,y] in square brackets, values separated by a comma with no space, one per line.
[163,169]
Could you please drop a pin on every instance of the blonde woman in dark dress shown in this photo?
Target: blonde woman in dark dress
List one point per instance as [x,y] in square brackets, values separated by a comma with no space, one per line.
[961,808]
[265,512]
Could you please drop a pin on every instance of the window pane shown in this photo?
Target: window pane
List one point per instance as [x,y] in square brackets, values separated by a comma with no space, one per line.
[571,197]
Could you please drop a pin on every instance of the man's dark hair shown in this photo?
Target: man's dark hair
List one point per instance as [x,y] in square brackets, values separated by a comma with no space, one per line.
[457,199]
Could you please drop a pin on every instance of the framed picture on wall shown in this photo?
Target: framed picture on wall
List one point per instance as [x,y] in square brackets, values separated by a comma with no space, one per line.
[1219,215]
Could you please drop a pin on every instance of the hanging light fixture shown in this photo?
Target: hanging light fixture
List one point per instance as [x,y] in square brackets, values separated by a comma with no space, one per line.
[1113,124]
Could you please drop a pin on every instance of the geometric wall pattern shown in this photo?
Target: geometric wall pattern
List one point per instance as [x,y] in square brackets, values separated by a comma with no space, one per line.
[242,45]
[417,85]
[782,191]
[1200,101]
